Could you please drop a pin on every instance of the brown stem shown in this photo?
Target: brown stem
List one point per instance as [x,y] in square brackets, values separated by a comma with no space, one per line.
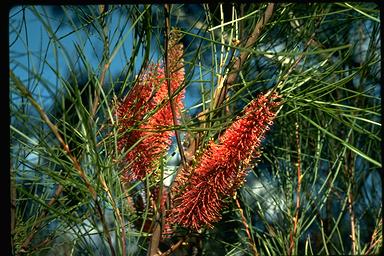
[156,235]
[244,220]
[296,217]
[157,229]
[97,91]
[105,227]
[239,61]
[349,167]
[352,216]
[174,247]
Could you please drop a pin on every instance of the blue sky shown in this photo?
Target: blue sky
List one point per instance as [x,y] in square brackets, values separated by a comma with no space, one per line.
[33,48]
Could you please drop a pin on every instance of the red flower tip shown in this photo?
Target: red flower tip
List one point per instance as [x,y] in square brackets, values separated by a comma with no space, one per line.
[222,167]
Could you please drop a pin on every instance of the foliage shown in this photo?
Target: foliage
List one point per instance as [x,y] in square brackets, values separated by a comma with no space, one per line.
[316,187]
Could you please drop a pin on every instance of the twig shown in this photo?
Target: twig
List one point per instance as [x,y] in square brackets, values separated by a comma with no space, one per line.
[157,229]
[156,234]
[74,161]
[118,214]
[311,41]
[352,216]
[236,67]
[349,167]
[157,224]
[27,241]
[375,238]
[174,247]
[105,227]
[55,131]
[105,60]
[296,217]
[167,9]
[244,220]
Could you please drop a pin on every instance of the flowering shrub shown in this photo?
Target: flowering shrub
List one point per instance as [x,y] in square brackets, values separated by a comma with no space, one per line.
[199,192]
[317,189]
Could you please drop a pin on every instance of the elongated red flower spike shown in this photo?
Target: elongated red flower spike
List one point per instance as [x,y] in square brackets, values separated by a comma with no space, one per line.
[144,117]
[222,167]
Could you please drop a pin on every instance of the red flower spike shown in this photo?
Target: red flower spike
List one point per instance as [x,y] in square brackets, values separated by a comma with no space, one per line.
[222,168]
[150,134]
